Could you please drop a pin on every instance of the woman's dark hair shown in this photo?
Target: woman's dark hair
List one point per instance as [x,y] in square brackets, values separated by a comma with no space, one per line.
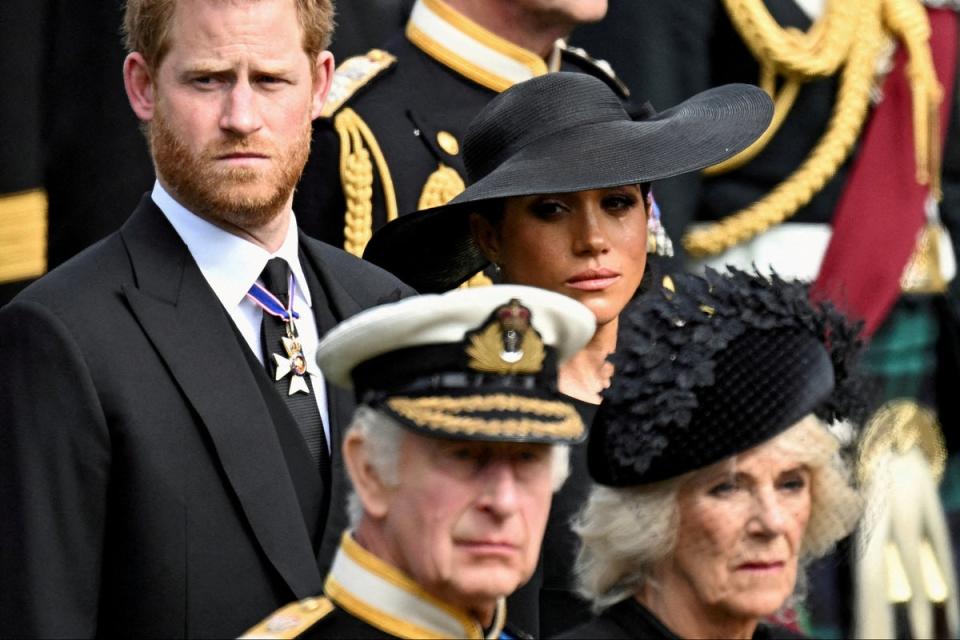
[493,209]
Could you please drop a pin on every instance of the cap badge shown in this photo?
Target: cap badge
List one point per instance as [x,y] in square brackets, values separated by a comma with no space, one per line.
[506,343]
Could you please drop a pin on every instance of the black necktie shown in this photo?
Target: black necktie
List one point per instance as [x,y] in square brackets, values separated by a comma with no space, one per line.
[303,406]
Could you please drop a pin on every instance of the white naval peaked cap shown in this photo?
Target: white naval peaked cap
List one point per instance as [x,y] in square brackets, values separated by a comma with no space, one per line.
[562,322]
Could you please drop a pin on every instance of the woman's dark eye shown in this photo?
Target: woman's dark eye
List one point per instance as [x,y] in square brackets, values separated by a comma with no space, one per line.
[723,489]
[794,484]
[546,209]
[619,202]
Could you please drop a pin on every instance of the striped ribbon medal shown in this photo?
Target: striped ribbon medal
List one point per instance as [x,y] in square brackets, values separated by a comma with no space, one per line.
[295,364]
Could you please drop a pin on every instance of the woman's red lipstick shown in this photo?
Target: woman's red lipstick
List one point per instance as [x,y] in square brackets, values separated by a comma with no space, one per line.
[593,279]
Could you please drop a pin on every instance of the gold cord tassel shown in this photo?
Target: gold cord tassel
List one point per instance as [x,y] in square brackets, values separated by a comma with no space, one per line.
[357,146]
[907,19]
[441,187]
[356,174]
[851,33]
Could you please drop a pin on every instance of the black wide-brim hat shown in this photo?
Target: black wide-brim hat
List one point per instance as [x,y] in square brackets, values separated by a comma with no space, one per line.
[561,133]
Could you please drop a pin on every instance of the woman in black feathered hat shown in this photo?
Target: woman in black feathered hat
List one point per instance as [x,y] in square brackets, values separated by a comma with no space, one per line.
[719,479]
[559,198]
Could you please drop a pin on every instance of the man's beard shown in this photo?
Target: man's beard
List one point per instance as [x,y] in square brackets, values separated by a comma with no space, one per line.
[244,197]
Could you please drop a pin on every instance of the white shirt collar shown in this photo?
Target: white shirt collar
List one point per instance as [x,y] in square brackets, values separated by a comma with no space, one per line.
[476,53]
[229,263]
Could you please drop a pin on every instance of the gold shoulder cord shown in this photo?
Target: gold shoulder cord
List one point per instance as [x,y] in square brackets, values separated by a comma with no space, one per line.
[357,145]
[850,34]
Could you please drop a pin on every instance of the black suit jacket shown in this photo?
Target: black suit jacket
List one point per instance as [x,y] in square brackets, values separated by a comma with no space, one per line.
[144,487]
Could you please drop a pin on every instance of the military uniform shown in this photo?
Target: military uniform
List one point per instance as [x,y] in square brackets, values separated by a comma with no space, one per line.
[367,598]
[472,365]
[23,204]
[388,141]
[73,162]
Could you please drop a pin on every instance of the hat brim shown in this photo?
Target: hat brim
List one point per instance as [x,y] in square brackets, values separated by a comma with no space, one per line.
[433,250]
[491,415]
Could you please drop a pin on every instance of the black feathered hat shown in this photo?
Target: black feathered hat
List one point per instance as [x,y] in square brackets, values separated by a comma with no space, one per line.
[714,367]
[560,133]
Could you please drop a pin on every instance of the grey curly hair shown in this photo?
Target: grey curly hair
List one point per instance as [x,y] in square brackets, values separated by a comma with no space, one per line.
[626,532]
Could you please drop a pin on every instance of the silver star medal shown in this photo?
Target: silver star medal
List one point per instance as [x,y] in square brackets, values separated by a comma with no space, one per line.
[296,365]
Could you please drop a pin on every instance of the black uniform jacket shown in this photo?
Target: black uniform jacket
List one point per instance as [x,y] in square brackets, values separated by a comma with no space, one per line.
[148,485]
[388,142]
[630,619]
[667,51]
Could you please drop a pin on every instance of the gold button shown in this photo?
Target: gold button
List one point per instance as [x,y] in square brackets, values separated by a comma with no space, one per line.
[448,143]
[309,604]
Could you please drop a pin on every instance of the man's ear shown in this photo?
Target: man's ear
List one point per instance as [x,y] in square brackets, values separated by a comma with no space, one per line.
[370,487]
[486,237]
[138,82]
[322,80]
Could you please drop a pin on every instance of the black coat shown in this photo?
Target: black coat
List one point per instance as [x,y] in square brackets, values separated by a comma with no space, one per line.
[148,487]
[560,606]
[342,624]
[630,619]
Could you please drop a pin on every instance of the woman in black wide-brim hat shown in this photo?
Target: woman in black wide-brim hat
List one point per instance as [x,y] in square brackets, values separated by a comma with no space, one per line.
[719,478]
[559,198]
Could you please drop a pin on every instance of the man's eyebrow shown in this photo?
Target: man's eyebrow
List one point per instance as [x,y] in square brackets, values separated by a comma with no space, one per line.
[214,69]
[205,69]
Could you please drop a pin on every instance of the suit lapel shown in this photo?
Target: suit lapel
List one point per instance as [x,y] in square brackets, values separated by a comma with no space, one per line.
[189,328]
[342,304]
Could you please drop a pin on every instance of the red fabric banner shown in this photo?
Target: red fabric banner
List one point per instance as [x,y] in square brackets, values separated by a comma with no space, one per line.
[881,211]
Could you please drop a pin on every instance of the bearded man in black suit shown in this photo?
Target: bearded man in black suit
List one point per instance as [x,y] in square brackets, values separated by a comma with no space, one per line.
[156,479]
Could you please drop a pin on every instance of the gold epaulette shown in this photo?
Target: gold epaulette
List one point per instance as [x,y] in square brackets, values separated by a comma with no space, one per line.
[23,235]
[292,620]
[352,74]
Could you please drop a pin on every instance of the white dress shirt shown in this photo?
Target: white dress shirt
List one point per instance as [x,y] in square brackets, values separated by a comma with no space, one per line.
[231,265]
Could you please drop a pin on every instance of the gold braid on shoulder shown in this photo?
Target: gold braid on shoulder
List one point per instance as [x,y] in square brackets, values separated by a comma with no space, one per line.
[357,145]
[851,34]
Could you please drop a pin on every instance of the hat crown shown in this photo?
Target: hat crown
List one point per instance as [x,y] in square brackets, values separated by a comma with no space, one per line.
[713,366]
[532,110]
